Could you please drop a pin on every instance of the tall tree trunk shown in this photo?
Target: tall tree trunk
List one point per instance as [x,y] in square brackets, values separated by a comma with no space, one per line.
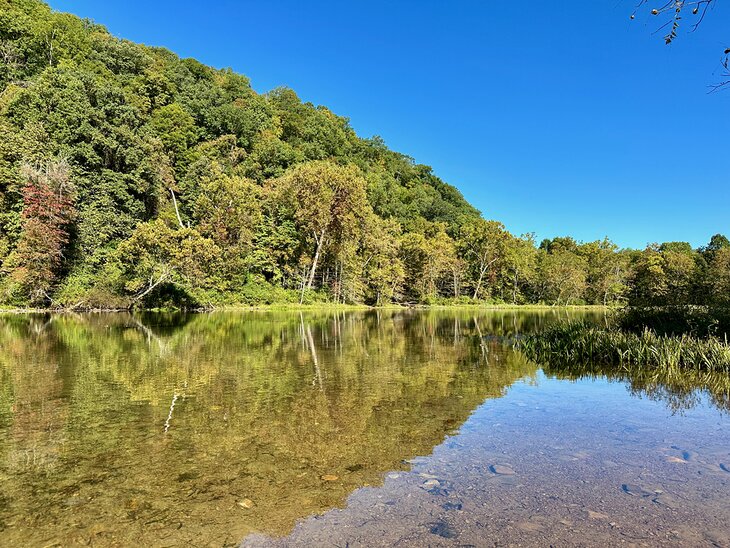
[479,284]
[320,242]
[177,211]
[340,285]
[303,286]
[482,270]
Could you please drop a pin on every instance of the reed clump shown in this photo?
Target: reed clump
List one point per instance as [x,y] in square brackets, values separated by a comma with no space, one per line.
[695,320]
[581,342]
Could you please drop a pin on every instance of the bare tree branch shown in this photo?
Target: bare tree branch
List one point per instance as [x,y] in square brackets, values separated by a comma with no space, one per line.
[677,8]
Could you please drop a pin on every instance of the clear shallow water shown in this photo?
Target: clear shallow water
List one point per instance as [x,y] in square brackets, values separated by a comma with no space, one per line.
[407,428]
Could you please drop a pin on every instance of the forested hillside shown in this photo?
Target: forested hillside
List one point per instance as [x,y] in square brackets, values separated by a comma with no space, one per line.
[131,177]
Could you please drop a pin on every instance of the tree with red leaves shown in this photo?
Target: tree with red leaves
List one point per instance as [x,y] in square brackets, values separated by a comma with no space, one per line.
[48,200]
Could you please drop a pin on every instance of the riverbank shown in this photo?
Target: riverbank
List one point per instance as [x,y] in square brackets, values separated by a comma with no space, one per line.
[290,307]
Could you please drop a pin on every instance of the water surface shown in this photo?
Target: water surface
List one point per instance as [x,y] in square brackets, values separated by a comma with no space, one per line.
[378,428]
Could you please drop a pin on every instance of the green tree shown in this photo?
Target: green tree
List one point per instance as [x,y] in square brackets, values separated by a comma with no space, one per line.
[176,128]
[326,201]
[482,244]
[520,257]
[427,258]
[717,242]
[665,274]
[157,255]
[718,277]
[563,275]
[228,211]
[48,212]
[607,271]
[383,271]
[649,284]
[681,269]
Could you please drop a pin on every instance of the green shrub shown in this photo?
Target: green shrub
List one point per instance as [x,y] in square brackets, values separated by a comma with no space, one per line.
[698,321]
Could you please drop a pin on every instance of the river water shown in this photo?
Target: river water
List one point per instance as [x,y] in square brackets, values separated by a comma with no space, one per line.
[384,428]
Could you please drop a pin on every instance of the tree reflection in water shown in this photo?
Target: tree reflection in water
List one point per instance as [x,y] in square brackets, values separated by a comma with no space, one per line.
[174,428]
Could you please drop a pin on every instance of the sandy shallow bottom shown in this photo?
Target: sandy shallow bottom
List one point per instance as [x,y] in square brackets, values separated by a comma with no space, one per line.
[553,463]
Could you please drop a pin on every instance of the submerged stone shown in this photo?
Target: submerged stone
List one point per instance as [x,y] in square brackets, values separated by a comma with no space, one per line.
[635,490]
[431,484]
[501,470]
[442,529]
[596,515]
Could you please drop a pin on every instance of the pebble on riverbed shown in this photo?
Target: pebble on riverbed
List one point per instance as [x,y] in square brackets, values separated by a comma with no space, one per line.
[501,470]
[596,515]
[635,490]
[431,484]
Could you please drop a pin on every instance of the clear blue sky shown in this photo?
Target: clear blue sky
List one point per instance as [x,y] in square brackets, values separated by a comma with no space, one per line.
[556,118]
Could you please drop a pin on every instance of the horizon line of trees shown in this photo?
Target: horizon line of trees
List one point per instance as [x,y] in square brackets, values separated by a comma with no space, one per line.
[131,177]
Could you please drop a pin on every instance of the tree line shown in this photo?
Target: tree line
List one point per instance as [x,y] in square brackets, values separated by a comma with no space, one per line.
[131,177]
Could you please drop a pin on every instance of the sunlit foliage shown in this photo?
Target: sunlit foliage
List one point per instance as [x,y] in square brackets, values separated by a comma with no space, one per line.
[132,178]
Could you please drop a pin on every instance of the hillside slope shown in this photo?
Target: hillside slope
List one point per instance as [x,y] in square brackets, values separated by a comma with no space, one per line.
[115,133]
[131,177]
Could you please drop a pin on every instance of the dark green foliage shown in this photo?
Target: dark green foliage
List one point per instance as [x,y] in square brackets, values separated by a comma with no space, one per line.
[191,189]
[717,243]
[698,321]
[163,145]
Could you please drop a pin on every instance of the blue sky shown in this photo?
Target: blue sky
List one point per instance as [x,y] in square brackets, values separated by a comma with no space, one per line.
[553,117]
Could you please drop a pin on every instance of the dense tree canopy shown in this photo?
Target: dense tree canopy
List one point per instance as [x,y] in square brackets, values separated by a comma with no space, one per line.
[131,177]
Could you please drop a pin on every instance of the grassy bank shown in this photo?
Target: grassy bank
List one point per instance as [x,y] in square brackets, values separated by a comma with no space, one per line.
[580,343]
[287,306]
[499,306]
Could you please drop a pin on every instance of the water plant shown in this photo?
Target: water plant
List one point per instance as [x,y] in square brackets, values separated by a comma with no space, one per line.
[580,343]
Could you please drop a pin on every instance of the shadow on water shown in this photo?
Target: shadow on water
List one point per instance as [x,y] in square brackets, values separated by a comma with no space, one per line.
[191,428]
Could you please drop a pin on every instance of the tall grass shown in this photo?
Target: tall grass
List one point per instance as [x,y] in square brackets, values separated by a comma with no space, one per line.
[698,321]
[580,342]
